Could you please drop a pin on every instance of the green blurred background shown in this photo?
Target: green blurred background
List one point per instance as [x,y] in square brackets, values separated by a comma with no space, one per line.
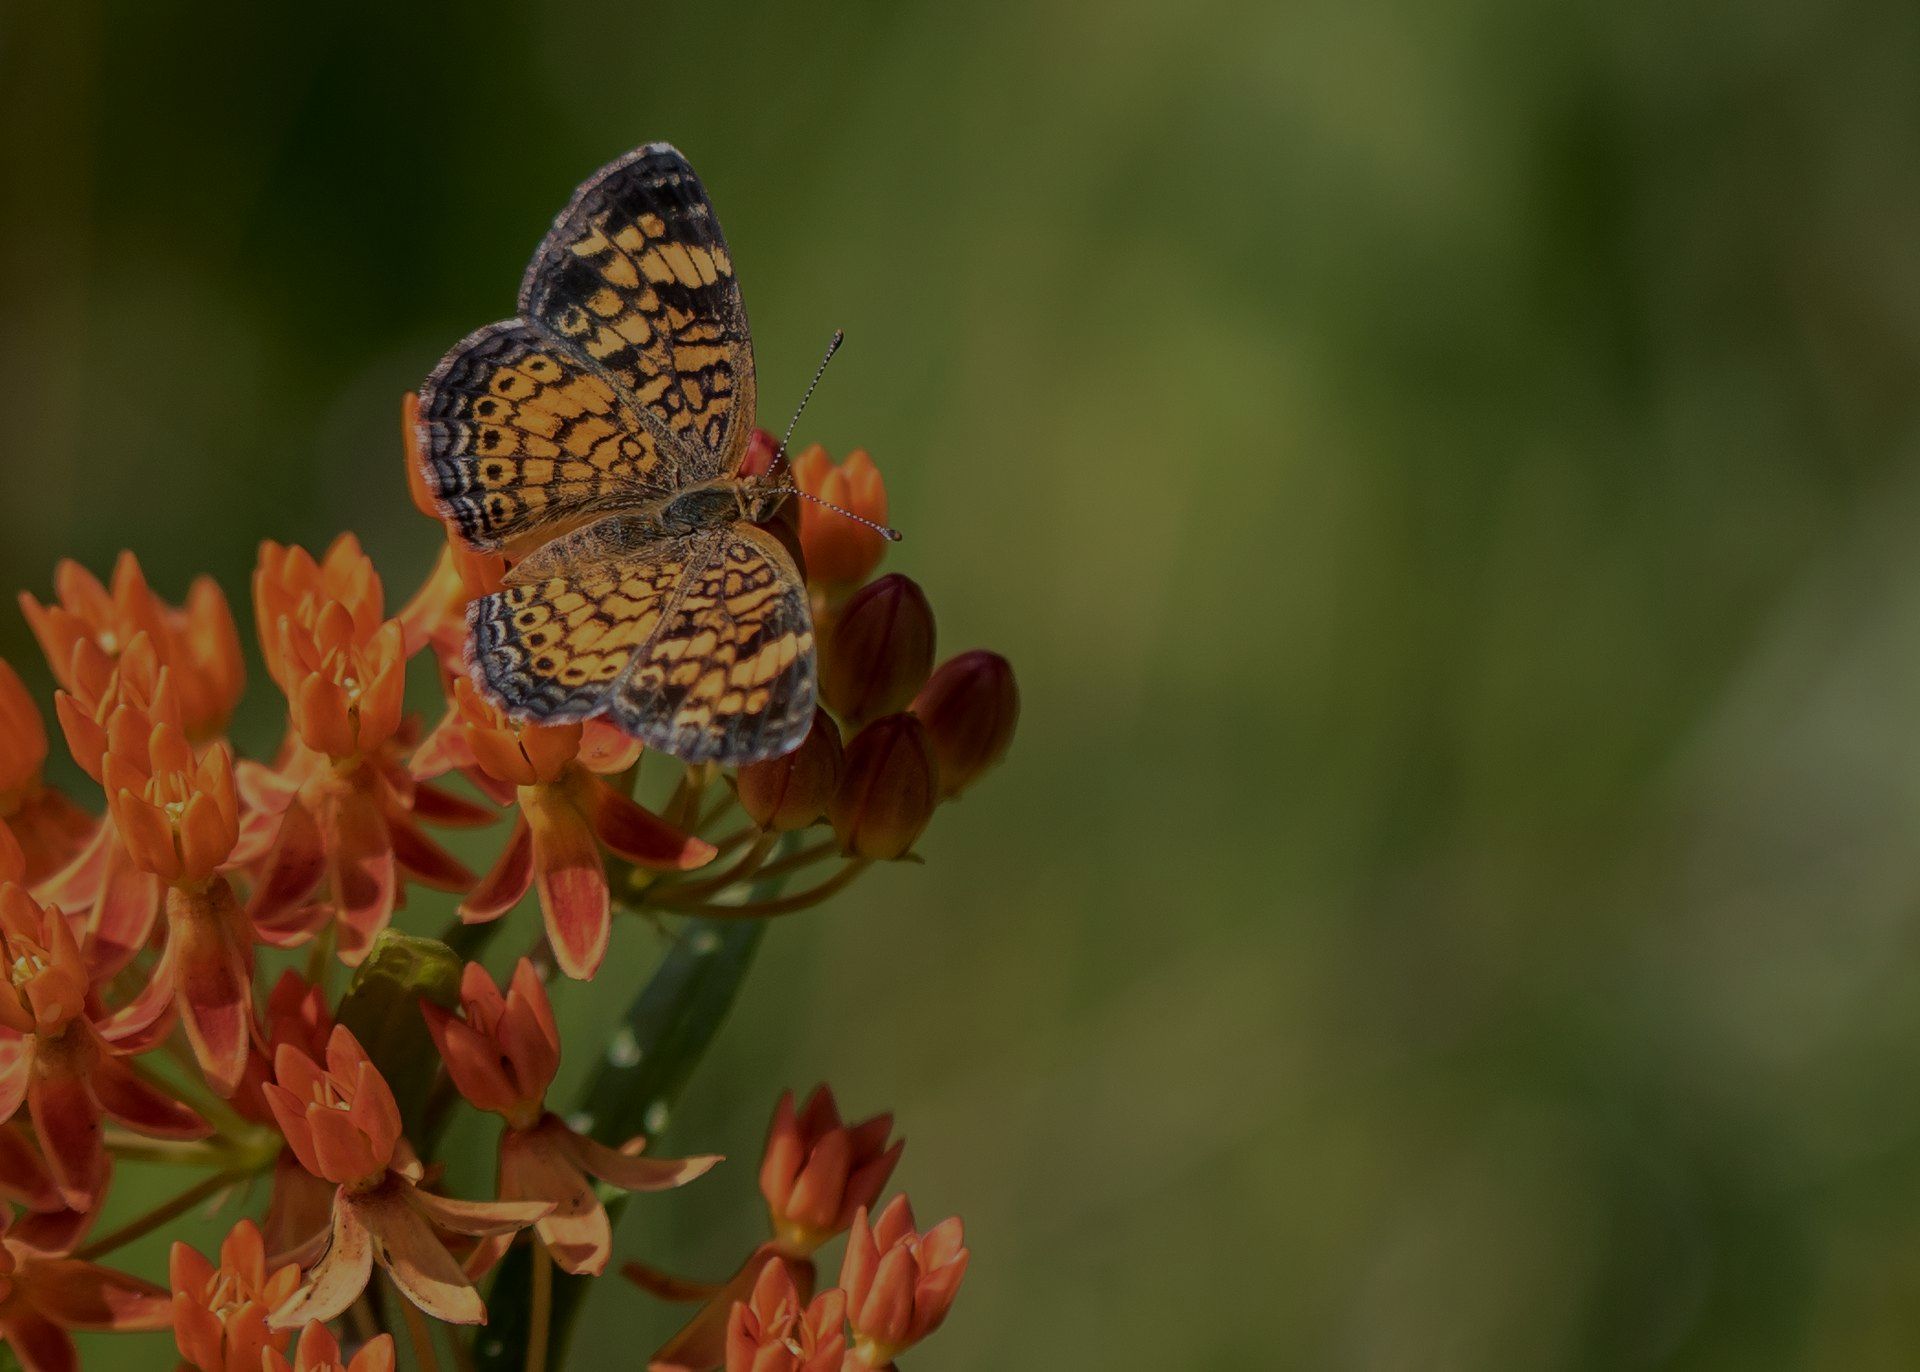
[1446,474]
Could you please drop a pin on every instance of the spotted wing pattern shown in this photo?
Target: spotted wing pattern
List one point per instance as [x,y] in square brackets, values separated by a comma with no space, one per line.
[636,277]
[729,675]
[521,439]
[701,647]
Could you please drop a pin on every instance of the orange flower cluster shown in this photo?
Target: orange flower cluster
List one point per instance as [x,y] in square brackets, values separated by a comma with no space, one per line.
[141,930]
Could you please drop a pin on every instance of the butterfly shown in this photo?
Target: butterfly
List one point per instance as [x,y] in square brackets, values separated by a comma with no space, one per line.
[597,440]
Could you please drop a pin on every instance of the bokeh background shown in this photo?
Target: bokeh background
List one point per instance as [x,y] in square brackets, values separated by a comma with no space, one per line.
[1446,474]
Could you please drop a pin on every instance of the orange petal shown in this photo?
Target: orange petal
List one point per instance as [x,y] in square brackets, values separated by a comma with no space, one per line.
[534,1165]
[624,1168]
[67,1119]
[419,1263]
[571,877]
[639,835]
[339,1277]
[82,1296]
[503,887]
[136,1103]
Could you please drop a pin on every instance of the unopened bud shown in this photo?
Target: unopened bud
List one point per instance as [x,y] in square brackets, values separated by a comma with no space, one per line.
[791,792]
[888,791]
[970,706]
[879,650]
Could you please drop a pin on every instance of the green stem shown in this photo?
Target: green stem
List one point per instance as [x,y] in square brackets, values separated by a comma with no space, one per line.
[541,1324]
[786,905]
[160,1214]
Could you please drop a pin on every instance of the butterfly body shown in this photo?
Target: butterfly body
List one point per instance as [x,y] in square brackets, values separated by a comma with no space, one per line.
[597,441]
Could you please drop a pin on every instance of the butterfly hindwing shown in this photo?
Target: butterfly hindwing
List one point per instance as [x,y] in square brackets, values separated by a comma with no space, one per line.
[520,439]
[636,277]
[729,675]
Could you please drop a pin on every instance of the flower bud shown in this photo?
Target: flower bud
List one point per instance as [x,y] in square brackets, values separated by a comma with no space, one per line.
[791,792]
[879,650]
[888,791]
[841,552]
[772,1331]
[341,1121]
[899,1283]
[969,706]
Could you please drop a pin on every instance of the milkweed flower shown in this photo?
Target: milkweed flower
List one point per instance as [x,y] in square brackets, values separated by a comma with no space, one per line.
[296,1013]
[773,1330]
[502,1055]
[180,818]
[349,810]
[319,1351]
[566,815]
[343,1124]
[220,1313]
[65,1066]
[900,1283]
[49,828]
[198,640]
[42,1298]
[840,553]
[818,1172]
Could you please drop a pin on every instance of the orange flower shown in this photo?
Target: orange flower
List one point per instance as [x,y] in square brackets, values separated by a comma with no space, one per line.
[840,553]
[180,819]
[772,1332]
[199,641]
[817,1172]
[503,1056]
[220,1313]
[296,1014]
[288,585]
[319,1351]
[791,792]
[888,791]
[970,706]
[61,1064]
[567,814]
[879,650]
[50,829]
[349,811]
[899,1283]
[41,1298]
[344,1126]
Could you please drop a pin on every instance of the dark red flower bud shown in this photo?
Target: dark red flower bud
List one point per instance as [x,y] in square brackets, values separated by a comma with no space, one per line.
[791,792]
[969,706]
[888,790]
[879,650]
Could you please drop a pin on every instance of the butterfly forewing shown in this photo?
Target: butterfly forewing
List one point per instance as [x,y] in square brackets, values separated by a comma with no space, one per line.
[636,276]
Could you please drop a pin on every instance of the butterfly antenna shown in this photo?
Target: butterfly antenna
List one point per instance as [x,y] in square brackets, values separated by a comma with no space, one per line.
[892,535]
[780,453]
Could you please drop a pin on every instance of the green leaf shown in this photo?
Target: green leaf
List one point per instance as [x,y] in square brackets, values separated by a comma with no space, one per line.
[382,1008]
[660,1040]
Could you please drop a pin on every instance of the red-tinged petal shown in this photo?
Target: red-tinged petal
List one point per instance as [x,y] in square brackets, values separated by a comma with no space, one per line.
[198,1333]
[577,1231]
[502,888]
[39,1343]
[374,1111]
[54,1233]
[298,1211]
[639,835]
[377,1355]
[365,882]
[527,1031]
[339,1277]
[605,749]
[444,750]
[66,1117]
[886,1314]
[82,1296]
[426,861]
[205,837]
[145,1021]
[471,1060]
[343,1150]
[77,885]
[571,877]
[290,1113]
[16,1069]
[498,754]
[212,978]
[24,1178]
[419,1263]
[135,1102]
[147,835]
[626,1169]
[294,872]
[479,1219]
[435,805]
[320,712]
